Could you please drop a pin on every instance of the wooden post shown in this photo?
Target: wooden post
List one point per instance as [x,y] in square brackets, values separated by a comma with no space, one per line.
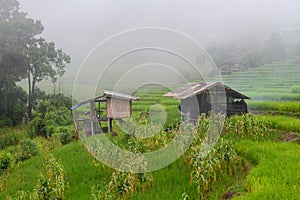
[92,115]
[109,125]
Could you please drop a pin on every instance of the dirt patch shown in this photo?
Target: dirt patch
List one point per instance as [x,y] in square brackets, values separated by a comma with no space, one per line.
[289,137]
[229,194]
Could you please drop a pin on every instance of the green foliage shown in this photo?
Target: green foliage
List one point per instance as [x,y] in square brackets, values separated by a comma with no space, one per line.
[66,137]
[276,173]
[122,185]
[5,122]
[81,176]
[12,136]
[208,170]
[23,54]
[272,82]
[12,111]
[5,161]
[16,33]
[283,123]
[248,126]
[28,149]
[52,184]
[52,114]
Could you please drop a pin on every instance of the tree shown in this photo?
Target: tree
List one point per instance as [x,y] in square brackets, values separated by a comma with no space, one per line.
[23,54]
[43,61]
[15,32]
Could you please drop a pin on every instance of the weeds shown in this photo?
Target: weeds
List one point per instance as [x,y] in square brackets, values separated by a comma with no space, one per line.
[51,185]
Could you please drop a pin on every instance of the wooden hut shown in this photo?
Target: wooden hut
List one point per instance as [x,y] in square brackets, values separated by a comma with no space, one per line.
[105,108]
[203,97]
[232,65]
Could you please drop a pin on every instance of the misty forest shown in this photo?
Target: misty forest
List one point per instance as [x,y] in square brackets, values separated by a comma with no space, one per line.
[49,135]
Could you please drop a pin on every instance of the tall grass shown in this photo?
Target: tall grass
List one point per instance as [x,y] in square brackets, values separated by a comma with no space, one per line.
[283,123]
[80,169]
[275,106]
[13,136]
[276,175]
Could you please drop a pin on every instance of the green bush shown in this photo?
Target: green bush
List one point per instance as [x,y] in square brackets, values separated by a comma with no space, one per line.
[65,138]
[11,136]
[5,122]
[5,160]
[28,149]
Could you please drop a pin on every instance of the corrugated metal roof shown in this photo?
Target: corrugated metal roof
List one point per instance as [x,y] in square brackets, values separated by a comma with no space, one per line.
[110,93]
[192,89]
[107,93]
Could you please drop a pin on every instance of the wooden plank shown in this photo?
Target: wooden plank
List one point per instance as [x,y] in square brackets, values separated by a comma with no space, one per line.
[117,108]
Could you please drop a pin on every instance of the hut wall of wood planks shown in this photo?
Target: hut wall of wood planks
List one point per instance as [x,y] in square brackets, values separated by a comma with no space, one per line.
[110,106]
[198,98]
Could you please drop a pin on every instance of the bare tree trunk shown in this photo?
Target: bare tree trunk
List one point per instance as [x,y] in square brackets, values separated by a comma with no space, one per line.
[29,111]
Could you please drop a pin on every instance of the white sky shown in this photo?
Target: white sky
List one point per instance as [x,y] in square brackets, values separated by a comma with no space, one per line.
[77,25]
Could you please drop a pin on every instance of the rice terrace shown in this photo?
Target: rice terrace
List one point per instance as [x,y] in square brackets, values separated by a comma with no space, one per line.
[237,137]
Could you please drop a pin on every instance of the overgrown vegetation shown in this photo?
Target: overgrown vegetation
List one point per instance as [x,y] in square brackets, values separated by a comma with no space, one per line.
[51,183]
[38,159]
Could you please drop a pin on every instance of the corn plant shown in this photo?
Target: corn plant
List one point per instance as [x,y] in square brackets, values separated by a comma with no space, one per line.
[3,181]
[248,126]
[209,163]
[206,171]
[122,185]
[53,183]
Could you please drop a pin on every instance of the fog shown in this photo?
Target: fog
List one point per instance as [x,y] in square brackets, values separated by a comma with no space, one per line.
[77,26]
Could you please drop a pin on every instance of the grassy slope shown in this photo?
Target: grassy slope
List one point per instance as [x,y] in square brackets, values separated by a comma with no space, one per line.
[82,174]
[169,183]
[277,174]
[268,82]
[79,166]
[81,170]
[286,106]
[283,123]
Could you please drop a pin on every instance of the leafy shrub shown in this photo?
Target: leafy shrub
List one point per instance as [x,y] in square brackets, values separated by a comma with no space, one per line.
[28,149]
[5,160]
[65,138]
[46,123]
[5,122]
[11,136]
